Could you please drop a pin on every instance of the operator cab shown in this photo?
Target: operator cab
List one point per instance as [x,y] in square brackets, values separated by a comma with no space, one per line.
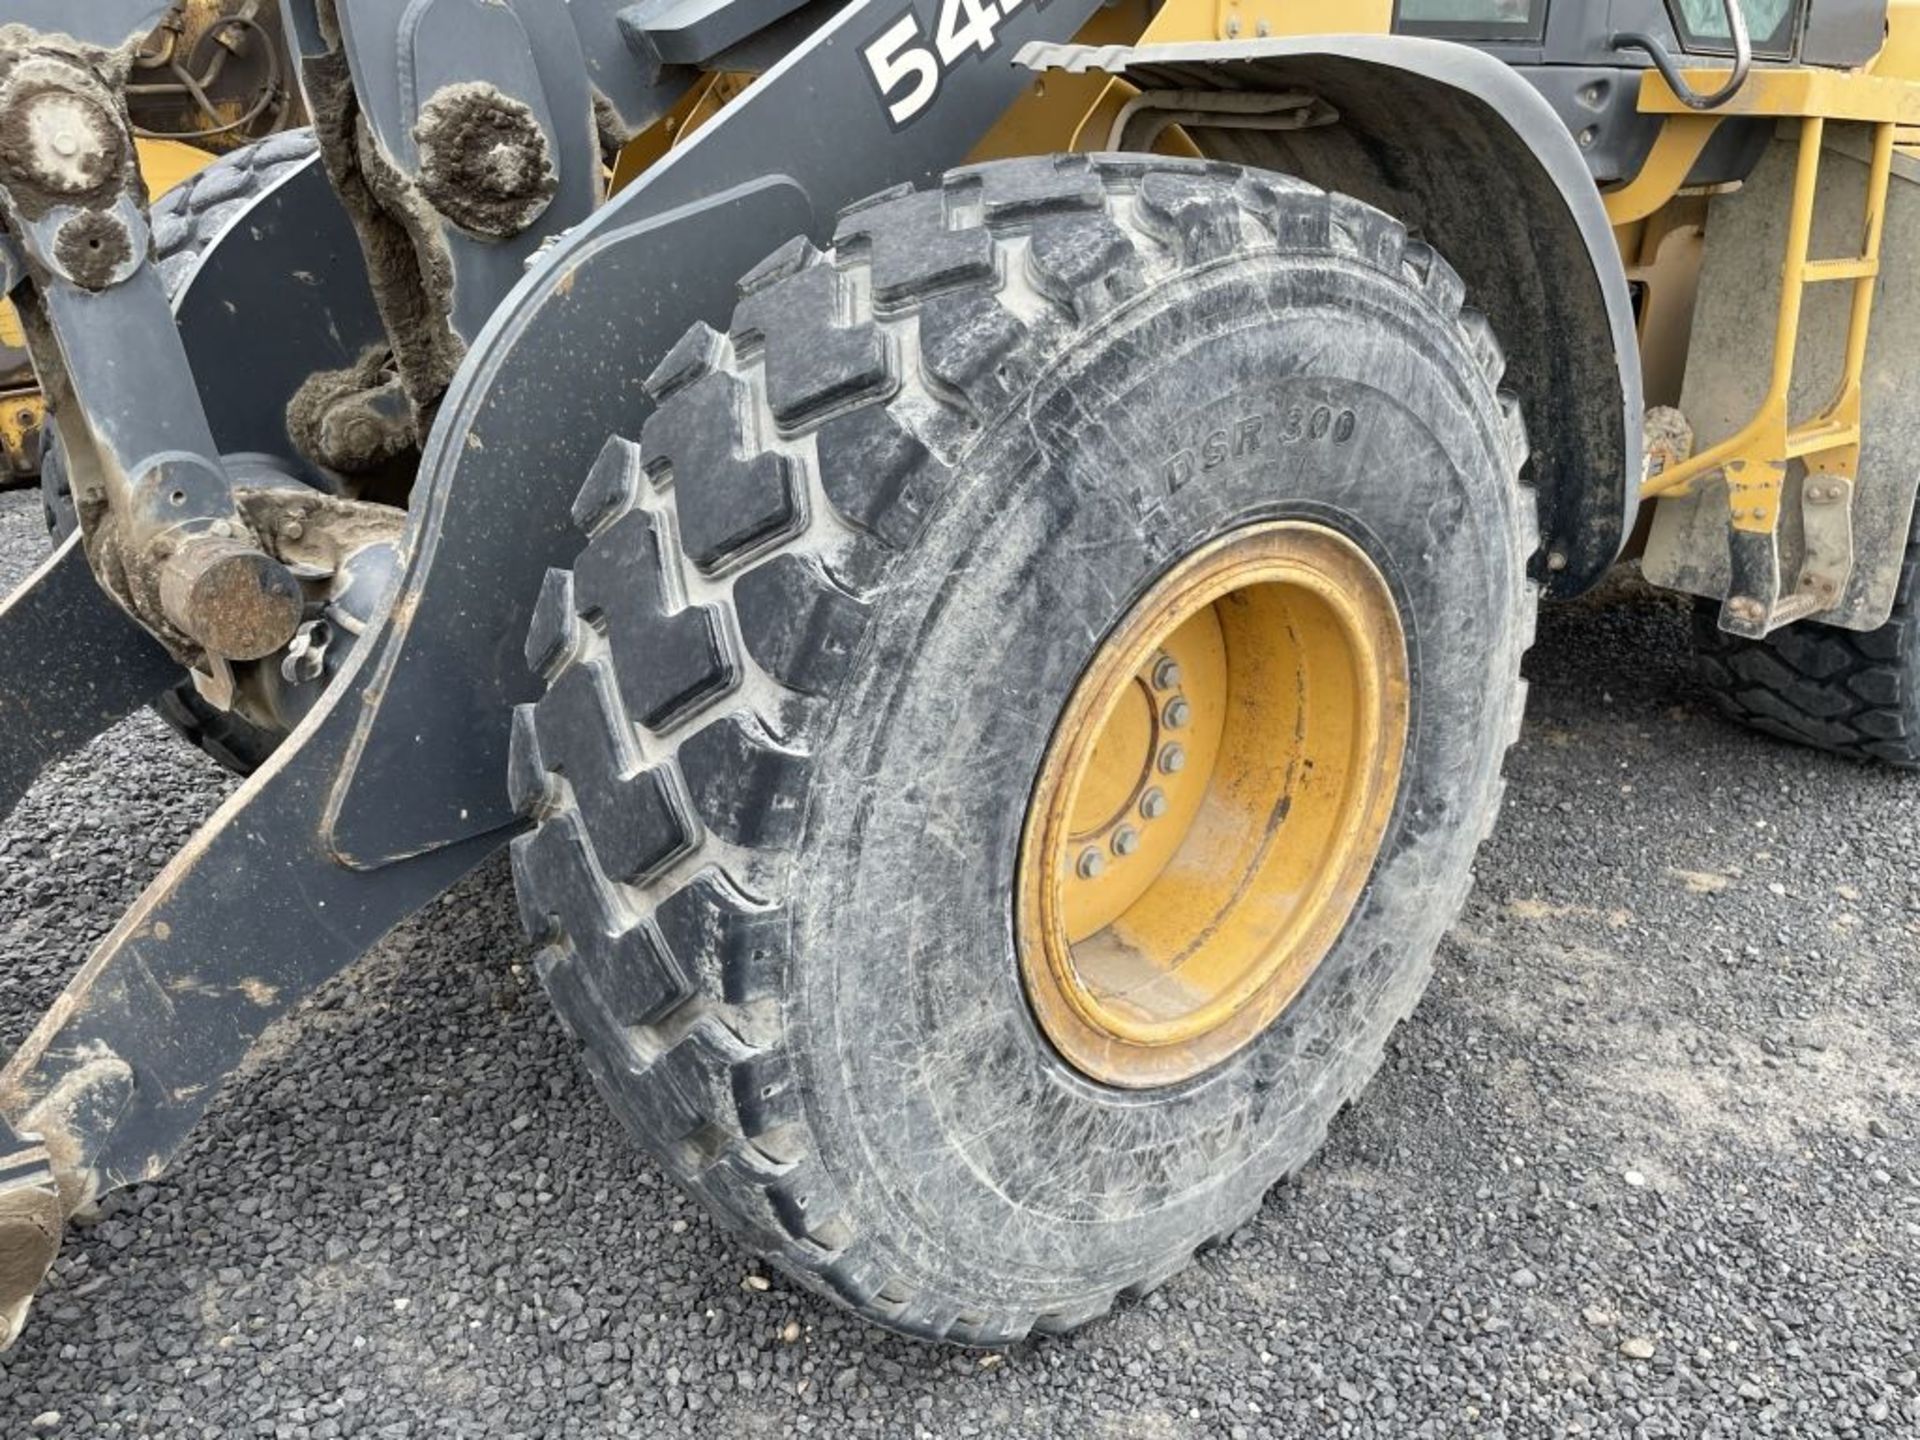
[1584,58]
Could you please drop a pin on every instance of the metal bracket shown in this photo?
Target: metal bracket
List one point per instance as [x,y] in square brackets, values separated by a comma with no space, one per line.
[1759,603]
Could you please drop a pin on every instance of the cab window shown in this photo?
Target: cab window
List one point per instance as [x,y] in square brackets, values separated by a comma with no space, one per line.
[1703,24]
[1473,19]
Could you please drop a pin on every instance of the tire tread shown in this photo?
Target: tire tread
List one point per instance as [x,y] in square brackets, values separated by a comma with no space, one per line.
[1853,693]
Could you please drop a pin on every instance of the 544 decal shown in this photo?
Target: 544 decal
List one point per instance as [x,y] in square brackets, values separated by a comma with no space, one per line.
[908,65]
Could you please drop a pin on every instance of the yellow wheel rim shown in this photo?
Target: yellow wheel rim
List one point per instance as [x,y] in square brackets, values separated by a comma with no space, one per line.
[1213,801]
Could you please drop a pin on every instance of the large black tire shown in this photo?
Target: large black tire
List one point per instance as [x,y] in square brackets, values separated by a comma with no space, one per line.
[800,683]
[186,220]
[1855,693]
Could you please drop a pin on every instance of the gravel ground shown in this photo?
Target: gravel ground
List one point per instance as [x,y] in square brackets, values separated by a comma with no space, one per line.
[1646,1162]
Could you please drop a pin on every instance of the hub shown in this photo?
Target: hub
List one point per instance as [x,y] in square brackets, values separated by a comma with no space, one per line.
[1215,797]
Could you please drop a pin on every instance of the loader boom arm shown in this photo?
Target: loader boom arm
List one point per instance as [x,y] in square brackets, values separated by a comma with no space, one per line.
[393,785]
[161,524]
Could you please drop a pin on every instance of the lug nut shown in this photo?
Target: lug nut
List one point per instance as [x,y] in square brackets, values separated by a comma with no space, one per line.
[1166,674]
[1126,840]
[1153,804]
[1173,759]
[1177,713]
[1092,862]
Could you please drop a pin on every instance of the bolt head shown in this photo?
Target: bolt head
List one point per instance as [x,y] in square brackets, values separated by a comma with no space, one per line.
[1126,840]
[1153,804]
[485,161]
[1177,713]
[1166,674]
[1173,759]
[1092,862]
[71,143]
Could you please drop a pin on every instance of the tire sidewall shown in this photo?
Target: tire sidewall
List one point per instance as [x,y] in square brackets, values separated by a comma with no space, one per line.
[946,1121]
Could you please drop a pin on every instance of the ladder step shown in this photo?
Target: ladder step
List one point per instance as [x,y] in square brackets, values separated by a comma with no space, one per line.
[1855,269]
[1816,438]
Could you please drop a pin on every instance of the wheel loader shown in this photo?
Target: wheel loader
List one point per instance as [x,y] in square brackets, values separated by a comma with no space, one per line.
[978,552]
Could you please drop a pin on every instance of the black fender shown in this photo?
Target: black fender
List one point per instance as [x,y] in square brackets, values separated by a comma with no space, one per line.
[1470,157]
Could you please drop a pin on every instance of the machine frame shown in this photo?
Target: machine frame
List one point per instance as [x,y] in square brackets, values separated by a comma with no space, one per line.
[392,783]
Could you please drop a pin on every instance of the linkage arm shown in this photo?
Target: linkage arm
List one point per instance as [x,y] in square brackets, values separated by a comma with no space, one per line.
[157,509]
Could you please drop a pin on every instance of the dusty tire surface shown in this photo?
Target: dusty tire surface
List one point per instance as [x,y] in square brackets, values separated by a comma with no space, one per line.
[1851,692]
[801,681]
[186,220]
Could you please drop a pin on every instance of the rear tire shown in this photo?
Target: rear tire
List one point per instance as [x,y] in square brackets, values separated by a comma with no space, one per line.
[801,682]
[1854,693]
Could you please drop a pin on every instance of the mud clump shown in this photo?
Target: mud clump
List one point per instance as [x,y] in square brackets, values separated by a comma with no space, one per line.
[484,160]
[93,249]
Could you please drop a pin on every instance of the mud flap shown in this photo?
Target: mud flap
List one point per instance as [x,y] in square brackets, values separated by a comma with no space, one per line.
[1688,549]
